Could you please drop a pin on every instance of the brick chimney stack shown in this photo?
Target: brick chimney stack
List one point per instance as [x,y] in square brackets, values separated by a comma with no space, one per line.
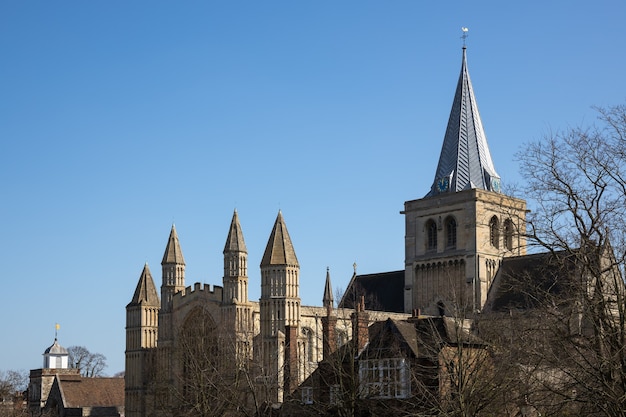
[360,324]
[329,333]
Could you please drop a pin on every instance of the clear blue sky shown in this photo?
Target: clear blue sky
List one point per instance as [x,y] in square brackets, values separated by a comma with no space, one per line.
[120,118]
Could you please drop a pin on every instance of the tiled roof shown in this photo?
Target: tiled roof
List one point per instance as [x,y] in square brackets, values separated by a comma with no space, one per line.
[91,392]
[382,291]
[146,292]
[234,241]
[279,249]
[525,282]
[173,254]
[465,161]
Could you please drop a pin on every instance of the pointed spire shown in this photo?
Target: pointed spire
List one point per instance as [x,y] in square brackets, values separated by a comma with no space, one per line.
[465,161]
[328,291]
[279,249]
[173,254]
[234,241]
[146,292]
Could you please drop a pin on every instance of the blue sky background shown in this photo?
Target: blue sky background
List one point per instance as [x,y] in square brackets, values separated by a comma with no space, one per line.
[120,118]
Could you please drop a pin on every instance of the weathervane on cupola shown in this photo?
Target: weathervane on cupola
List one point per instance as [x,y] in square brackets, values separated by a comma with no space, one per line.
[465,161]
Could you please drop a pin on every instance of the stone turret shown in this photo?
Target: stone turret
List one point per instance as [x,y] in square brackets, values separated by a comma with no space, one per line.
[236,308]
[279,303]
[142,324]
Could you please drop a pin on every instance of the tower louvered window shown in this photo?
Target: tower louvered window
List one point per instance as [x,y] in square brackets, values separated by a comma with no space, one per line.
[494,232]
[450,233]
[508,234]
[431,231]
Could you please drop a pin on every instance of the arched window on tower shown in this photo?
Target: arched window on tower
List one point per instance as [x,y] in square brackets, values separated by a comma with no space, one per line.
[494,232]
[431,235]
[508,234]
[450,233]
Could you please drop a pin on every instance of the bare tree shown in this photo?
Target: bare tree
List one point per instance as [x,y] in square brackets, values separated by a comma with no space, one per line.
[12,387]
[90,364]
[212,374]
[577,353]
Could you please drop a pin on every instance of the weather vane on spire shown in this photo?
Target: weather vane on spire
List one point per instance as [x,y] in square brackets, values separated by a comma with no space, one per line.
[464,36]
[57,326]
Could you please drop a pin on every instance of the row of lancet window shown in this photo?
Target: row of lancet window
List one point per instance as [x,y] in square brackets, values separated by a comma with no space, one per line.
[450,233]
[494,233]
[450,227]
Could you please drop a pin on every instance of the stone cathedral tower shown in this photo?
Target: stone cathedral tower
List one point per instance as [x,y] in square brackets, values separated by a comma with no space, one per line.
[459,232]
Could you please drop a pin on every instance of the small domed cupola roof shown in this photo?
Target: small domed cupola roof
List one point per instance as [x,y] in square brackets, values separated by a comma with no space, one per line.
[56,356]
[56,349]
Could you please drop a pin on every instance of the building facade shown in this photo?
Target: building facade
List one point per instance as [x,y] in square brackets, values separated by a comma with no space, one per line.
[455,239]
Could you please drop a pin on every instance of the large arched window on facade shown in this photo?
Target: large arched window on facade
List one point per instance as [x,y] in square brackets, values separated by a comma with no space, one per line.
[508,234]
[431,235]
[494,232]
[198,350]
[450,232]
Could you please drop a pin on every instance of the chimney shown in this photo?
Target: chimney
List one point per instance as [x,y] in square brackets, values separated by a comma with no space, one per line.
[360,324]
[291,358]
[329,333]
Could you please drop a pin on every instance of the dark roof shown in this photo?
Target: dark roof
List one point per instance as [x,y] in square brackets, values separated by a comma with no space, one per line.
[383,291]
[525,282]
[465,161]
[422,336]
[91,392]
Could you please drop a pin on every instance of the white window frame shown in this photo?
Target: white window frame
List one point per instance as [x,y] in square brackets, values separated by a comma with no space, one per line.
[385,378]
[307,395]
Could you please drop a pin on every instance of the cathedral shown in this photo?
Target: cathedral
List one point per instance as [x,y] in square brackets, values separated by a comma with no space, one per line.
[455,239]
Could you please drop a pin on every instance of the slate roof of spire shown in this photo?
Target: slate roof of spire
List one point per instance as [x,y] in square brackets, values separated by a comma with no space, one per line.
[234,241]
[279,249]
[328,291]
[465,161]
[173,254]
[146,292]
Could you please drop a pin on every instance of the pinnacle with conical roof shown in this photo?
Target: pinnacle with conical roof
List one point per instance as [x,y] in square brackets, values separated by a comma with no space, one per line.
[146,292]
[279,249]
[234,241]
[328,292]
[173,254]
[465,161]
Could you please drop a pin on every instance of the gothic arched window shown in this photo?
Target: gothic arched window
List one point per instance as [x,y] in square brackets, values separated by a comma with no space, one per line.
[450,232]
[309,346]
[431,233]
[508,234]
[494,232]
